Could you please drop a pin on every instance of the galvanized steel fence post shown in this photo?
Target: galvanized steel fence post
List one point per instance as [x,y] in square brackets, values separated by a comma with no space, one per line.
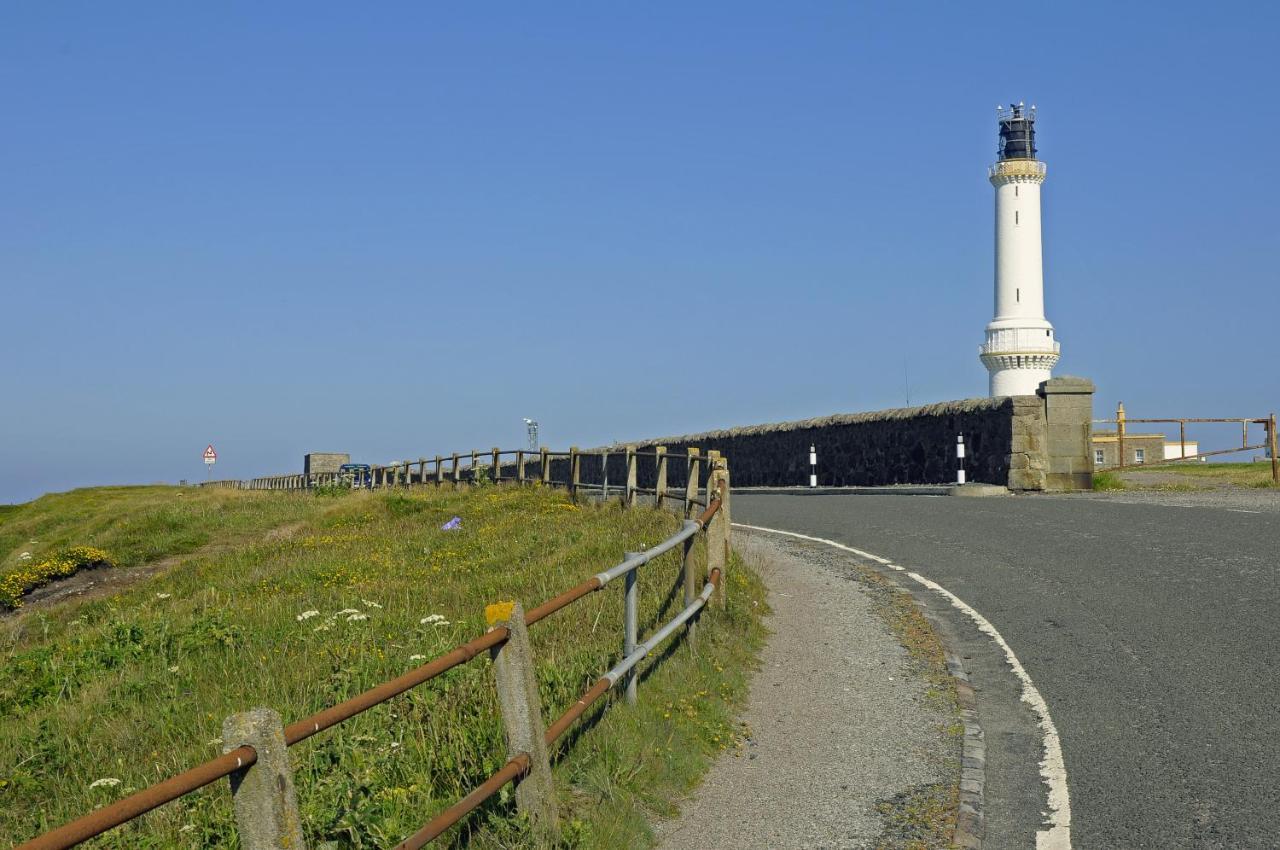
[630,624]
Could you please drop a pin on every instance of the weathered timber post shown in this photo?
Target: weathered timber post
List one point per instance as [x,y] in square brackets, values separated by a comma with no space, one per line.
[630,624]
[718,528]
[660,475]
[691,483]
[1271,439]
[520,466]
[265,803]
[631,477]
[521,708]
[690,572]
[496,473]
[454,471]
[575,471]
[439,471]
[545,471]
[475,479]
[422,471]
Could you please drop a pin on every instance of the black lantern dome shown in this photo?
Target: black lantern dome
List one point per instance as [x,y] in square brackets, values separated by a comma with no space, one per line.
[1017,132]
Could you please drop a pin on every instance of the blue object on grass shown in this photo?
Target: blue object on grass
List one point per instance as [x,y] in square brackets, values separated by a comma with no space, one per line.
[452,524]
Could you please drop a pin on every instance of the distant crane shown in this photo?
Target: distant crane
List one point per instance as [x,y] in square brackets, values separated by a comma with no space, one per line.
[531,425]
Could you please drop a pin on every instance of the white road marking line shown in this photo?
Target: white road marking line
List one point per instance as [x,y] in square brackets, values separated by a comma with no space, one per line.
[1053,770]
[1242,511]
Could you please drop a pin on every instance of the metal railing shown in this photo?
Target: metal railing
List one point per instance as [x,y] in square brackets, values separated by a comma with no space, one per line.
[700,587]
[1121,421]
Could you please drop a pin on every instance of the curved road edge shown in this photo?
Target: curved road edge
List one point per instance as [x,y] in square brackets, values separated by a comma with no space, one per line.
[1053,772]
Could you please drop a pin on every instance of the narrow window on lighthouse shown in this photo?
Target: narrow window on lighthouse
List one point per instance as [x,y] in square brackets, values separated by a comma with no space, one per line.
[1017,295]
[1015,216]
[1015,190]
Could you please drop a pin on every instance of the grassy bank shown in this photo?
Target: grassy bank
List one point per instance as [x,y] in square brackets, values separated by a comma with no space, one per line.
[1186,477]
[134,687]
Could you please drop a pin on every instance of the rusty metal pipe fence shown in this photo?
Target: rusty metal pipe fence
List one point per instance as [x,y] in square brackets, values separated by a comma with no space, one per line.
[1268,444]
[507,636]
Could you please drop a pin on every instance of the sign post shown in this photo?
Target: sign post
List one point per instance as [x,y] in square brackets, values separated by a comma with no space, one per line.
[210,458]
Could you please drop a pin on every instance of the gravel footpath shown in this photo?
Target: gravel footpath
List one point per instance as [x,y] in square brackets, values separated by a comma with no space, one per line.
[838,723]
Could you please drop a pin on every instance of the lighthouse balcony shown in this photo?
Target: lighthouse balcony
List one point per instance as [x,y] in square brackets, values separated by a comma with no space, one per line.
[1019,340]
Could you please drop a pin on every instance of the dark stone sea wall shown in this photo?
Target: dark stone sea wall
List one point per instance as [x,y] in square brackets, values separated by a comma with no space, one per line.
[914,445]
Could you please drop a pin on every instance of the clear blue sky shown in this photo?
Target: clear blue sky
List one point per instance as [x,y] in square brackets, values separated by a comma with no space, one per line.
[395,229]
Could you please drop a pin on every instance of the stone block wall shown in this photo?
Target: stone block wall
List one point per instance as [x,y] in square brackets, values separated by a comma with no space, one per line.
[324,462]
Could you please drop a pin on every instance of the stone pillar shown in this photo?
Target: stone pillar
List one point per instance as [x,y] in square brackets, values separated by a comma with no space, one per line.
[265,803]
[521,707]
[1068,427]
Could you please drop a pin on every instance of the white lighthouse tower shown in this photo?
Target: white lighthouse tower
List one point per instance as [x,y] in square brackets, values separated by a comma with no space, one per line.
[1020,350]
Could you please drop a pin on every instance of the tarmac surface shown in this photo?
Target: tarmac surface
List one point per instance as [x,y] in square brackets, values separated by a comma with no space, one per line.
[1151,627]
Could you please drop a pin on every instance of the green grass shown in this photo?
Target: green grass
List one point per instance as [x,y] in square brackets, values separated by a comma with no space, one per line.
[1237,474]
[134,687]
[1104,481]
[134,525]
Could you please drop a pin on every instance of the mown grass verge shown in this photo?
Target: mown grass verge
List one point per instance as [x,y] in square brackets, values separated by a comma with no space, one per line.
[134,687]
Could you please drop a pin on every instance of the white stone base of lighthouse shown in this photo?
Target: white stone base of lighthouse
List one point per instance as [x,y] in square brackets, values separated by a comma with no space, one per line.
[1014,373]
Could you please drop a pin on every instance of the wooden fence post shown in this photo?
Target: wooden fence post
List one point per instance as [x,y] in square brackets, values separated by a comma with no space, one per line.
[520,466]
[521,707]
[546,466]
[718,528]
[454,476]
[631,477]
[691,483]
[265,803]
[475,479]
[496,472]
[575,471]
[660,475]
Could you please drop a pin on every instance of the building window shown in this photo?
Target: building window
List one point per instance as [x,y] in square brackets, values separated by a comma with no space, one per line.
[1098,457]
[1015,216]
[1139,455]
[1015,190]
[1017,295]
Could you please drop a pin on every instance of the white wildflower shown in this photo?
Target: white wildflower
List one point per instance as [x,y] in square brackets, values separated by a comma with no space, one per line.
[369,604]
[441,623]
[105,782]
[189,826]
[173,669]
[417,658]
[25,556]
[163,595]
[357,617]
[214,743]
[434,618]
[307,615]
[324,627]
[395,744]
[346,611]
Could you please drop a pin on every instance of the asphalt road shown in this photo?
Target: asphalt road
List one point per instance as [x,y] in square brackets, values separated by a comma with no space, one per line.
[1152,631]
